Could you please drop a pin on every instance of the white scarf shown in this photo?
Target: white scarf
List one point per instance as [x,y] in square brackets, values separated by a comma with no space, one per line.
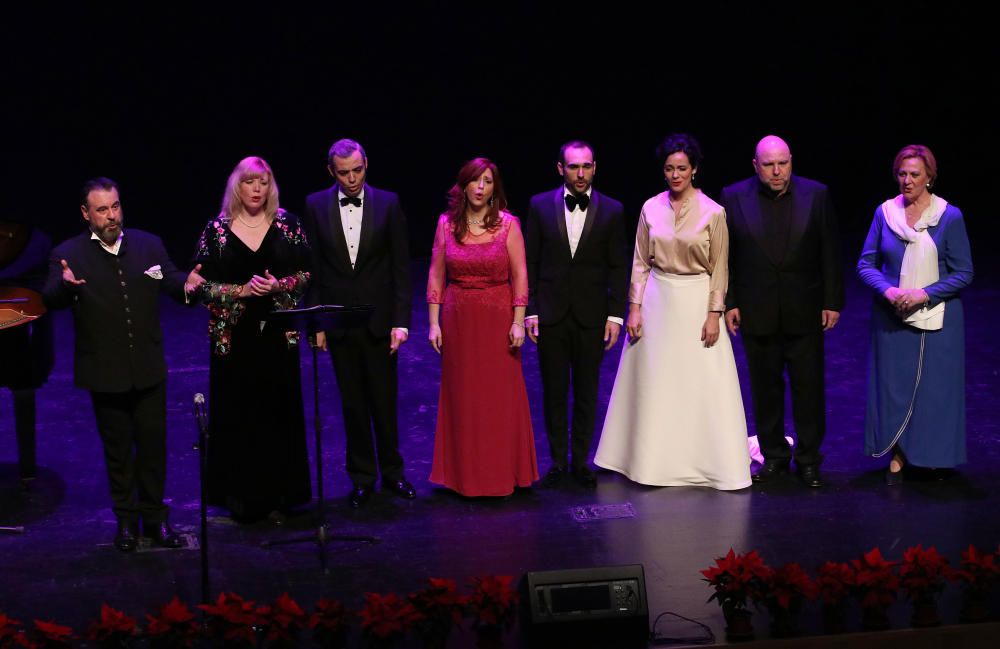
[920,259]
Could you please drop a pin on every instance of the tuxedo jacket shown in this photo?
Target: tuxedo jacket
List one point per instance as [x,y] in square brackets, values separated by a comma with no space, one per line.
[116,314]
[381,274]
[785,292]
[588,286]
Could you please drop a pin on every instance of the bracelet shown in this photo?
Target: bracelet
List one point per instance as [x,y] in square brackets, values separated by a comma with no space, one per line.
[519,324]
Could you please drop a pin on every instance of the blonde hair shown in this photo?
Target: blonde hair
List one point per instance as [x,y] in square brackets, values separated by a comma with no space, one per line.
[251,167]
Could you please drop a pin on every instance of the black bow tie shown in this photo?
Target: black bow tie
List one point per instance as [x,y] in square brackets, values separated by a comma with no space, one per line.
[572,201]
[353,200]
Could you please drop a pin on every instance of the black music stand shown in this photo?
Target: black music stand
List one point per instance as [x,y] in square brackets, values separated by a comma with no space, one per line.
[320,318]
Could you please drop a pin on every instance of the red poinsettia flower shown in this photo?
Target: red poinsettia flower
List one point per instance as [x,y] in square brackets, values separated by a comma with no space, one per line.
[232,617]
[440,602]
[738,579]
[978,571]
[788,587]
[329,623]
[875,580]
[330,614]
[922,573]
[175,617]
[49,635]
[10,630]
[493,601]
[834,582]
[282,620]
[387,616]
[114,626]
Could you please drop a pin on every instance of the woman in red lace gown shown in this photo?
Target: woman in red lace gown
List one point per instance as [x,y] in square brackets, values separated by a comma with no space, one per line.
[477,292]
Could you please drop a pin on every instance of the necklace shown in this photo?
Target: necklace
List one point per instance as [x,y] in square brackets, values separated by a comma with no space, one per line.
[242,220]
[478,221]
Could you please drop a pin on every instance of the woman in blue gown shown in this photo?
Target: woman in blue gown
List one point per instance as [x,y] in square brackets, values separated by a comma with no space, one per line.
[917,260]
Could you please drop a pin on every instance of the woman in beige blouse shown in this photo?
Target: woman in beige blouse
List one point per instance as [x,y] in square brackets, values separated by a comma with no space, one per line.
[676,414]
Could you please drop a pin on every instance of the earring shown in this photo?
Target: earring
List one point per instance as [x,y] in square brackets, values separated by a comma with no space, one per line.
[491,201]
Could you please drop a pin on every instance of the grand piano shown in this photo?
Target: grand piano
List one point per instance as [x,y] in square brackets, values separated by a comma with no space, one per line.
[26,338]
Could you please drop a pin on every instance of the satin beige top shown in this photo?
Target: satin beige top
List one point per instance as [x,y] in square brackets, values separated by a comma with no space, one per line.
[693,242]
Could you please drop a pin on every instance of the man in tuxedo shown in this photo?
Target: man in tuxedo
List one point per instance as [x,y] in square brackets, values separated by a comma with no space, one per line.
[578,279]
[361,248]
[785,291]
[113,280]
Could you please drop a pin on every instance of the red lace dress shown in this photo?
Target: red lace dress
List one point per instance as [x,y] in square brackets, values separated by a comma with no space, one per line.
[483,445]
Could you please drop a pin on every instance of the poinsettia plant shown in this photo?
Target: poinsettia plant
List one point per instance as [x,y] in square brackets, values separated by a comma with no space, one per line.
[493,601]
[173,627]
[387,617]
[49,635]
[329,623]
[440,606]
[834,582]
[281,622]
[11,633]
[922,572]
[232,619]
[876,582]
[788,587]
[113,629]
[738,579]
[978,571]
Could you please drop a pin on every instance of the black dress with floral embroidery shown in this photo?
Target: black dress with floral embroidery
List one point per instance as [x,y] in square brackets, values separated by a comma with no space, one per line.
[257,461]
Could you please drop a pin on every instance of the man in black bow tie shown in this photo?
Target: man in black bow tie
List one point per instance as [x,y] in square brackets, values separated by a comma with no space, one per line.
[578,280]
[361,255]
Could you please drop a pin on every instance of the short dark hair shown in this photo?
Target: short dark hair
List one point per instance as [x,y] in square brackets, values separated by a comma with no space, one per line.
[344,148]
[575,144]
[100,183]
[679,143]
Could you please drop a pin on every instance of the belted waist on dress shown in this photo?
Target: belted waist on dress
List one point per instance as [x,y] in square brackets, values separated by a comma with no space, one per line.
[679,279]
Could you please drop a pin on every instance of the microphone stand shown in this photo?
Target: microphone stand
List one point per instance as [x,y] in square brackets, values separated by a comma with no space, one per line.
[202,447]
[320,318]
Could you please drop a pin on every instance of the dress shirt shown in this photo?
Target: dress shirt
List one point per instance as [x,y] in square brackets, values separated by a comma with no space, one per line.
[350,220]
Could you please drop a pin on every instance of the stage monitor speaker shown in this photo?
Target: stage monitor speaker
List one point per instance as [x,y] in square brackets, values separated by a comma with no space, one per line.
[586,607]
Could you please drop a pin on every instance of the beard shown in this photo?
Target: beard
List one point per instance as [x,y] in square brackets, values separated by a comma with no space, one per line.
[109,232]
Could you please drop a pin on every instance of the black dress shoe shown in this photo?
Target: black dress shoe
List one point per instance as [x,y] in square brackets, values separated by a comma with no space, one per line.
[403,489]
[126,538]
[360,495]
[162,535]
[770,470]
[585,477]
[893,478]
[554,476]
[809,475]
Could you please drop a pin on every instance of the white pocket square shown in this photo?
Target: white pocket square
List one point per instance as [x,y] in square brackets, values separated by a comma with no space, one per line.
[155,272]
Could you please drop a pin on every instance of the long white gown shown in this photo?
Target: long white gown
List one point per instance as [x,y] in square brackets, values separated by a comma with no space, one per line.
[676,413]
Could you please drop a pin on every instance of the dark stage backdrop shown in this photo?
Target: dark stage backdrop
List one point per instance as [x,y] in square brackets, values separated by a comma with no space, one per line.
[166,100]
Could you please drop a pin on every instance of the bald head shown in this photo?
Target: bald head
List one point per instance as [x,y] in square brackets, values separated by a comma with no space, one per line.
[773,163]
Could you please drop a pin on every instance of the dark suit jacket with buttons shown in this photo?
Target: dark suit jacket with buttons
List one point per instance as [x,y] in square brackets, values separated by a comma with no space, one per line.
[116,314]
[788,293]
[590,285]
[381,275]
